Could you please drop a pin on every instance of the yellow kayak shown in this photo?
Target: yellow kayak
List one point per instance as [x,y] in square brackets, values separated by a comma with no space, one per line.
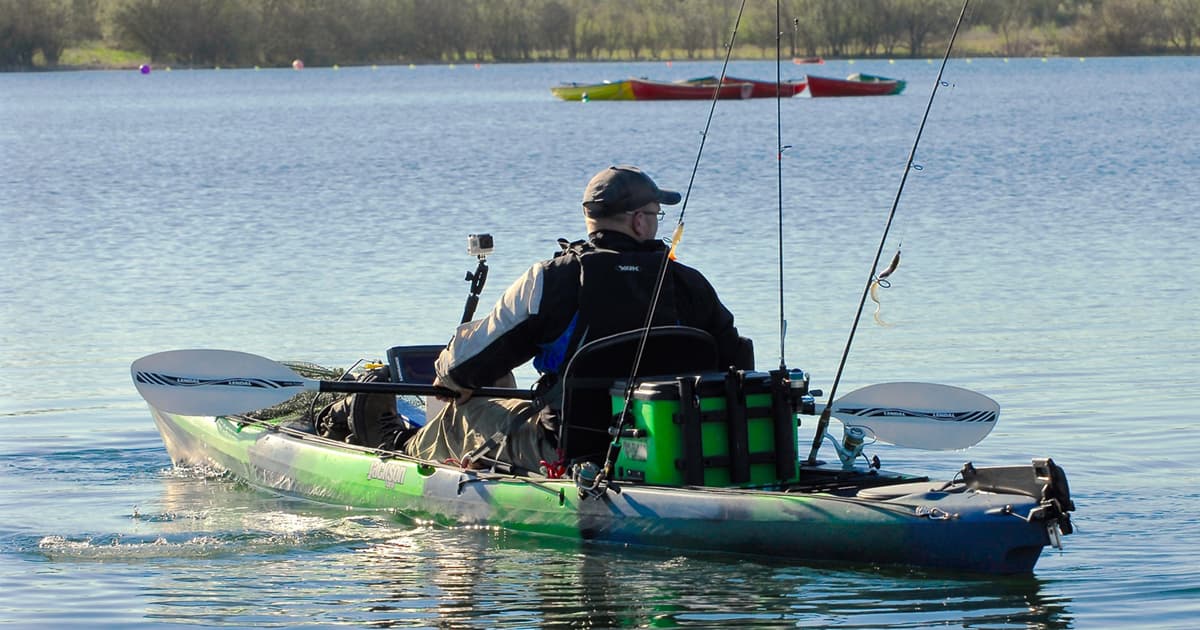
[606,91]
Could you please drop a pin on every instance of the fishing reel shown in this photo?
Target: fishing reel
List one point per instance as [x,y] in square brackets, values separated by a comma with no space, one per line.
[591,481]
[803,399]
[851,447]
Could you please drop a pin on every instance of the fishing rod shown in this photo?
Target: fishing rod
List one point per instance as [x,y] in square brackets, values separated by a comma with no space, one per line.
[779,174]
[605,475]
[823,423]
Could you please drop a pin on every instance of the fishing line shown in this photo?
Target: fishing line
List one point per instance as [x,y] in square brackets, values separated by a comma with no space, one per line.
[605,473]
[823,423]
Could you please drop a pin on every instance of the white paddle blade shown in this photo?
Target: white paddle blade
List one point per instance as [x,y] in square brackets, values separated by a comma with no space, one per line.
[920,415]
[214,382]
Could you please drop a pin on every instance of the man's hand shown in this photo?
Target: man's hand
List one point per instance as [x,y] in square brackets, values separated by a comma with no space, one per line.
[463,394]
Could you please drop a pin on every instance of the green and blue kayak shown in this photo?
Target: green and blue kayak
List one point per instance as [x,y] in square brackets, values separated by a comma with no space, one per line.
[986,520]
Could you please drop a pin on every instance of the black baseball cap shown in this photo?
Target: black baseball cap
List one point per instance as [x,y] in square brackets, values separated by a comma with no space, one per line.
[623,188]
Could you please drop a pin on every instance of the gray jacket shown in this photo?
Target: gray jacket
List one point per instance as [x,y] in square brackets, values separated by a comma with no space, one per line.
[590,290]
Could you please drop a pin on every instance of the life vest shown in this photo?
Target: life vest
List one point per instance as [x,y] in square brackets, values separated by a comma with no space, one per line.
[616,289]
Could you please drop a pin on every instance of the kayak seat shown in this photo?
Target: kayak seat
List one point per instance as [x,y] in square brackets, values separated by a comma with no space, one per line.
[586,410]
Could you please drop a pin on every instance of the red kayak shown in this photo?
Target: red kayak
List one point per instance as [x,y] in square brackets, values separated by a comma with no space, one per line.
[762,89]
[646,90]
[861,86]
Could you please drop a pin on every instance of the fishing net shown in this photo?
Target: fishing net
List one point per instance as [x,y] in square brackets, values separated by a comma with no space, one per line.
[302,406]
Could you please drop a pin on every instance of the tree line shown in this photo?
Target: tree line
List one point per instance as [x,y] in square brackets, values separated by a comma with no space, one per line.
[327,32]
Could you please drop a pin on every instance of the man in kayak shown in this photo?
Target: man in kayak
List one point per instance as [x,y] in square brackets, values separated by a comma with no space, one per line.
[589,290]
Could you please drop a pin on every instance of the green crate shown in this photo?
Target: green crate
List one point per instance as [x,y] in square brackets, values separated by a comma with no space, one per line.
[660,454]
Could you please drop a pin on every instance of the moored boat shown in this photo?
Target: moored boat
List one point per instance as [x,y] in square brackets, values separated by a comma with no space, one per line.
[858,76]
[761,89]
[605,91]
[647,90]
[855,85]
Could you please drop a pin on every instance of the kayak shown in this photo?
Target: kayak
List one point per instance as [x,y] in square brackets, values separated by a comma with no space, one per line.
[605,91]
[867,517]
[761,89]
[898,88]
[985,520]
[647,90]
[854,85]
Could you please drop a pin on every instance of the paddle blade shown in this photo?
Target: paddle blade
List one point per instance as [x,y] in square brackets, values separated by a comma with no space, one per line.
[920,415]
[214,382]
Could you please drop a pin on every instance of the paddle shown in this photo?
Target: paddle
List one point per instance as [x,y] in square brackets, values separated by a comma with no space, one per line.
[919,415]
[223,382]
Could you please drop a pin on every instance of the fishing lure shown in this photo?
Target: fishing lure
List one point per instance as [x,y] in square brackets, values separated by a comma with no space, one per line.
[881,281]
[676,236]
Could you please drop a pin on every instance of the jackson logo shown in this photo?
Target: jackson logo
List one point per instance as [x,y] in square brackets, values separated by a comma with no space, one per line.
[390,472]
[634,450]
[628,268]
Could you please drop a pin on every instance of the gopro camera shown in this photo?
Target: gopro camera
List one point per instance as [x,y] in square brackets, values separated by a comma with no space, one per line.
[479,244]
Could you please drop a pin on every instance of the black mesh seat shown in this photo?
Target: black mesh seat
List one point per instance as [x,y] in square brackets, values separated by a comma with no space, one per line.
[591,372]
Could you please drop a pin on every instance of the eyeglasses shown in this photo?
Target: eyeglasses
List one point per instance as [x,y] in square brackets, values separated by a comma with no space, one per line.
[661,214]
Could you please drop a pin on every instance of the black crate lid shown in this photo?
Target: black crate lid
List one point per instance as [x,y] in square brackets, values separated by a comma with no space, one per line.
[708,384]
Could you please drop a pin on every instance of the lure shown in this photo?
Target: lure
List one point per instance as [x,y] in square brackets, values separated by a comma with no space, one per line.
[676,236]
[881,281]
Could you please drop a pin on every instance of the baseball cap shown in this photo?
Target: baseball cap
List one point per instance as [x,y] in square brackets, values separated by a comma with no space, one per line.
[623,188]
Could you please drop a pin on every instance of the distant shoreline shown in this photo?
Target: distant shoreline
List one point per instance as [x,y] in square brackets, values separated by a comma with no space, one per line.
[81,35]
[132,66]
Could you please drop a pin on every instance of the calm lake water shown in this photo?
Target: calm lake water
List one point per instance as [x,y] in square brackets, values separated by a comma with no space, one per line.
[322,215]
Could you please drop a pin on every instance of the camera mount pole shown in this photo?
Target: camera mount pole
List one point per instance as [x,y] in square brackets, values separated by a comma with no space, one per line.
[477,279]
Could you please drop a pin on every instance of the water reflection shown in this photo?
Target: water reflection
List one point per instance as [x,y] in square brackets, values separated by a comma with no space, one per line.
[497,579]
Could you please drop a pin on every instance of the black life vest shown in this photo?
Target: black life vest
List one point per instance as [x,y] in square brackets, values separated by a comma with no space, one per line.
[616,289]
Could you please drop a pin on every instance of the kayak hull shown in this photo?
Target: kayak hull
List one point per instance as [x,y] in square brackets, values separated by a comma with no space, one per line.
[883,519]
[606,91]
[759,89]
[857,85]
[645,90]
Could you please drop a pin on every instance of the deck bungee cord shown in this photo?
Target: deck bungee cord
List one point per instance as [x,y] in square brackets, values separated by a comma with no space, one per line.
[873,278]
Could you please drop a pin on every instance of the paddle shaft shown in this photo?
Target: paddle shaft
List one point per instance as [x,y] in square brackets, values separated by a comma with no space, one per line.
[418,389]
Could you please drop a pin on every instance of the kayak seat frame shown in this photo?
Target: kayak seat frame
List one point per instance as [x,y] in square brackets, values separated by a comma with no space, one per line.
[586,403]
